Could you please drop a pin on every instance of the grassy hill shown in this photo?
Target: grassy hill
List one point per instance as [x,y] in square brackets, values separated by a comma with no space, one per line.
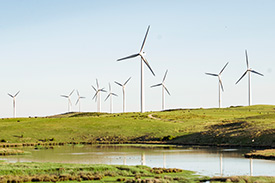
[254,125]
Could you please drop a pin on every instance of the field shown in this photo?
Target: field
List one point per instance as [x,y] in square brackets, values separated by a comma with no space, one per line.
[240,126]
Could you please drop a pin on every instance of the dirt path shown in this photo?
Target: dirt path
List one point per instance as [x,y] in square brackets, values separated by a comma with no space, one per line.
[152,117]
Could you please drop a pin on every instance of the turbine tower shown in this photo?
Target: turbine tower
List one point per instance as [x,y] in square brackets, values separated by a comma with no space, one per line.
[97,95]
[111,98]
[78,99]
[123,91]
[248,71]
[143,59]
[69,100]
[13,97]
[220,82]
[163,88]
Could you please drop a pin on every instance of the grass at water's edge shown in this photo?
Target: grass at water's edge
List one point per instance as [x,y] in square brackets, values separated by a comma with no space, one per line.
[262,154]
[45,172]
[251,126]
[56,172]
[5,152]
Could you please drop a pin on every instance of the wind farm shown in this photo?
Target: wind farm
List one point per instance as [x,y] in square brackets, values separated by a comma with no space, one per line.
[120,92]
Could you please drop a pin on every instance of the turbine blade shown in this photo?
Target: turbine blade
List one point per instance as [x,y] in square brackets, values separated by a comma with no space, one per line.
[107,96]
[114,94]
[95,94]
[211,74]
[156,85]
[146,62]
[220,81]
[118,83]
[103,90]
[131,56]
[127,81]
[77,93]
[60,95]
[77,101]
[143,43]
[10,95]
[223,68]
[110,89]
[257,73]
[166,89]
[94,88]
[165,76]
[16,94]
[241,77]
[246,57]
[81,97]
[97,84]
[71,93]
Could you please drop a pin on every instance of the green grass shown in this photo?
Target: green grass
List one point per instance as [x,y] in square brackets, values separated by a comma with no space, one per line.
[57,172]
[5,152]
[44,172]
[262,154]
[249,126]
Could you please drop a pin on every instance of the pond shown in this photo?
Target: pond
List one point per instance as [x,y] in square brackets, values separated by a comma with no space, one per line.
[205,161]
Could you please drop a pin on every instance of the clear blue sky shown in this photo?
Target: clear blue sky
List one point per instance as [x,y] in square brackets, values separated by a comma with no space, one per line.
[49,47]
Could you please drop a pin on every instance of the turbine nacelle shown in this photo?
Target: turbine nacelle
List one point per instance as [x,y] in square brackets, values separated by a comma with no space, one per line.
[142,53]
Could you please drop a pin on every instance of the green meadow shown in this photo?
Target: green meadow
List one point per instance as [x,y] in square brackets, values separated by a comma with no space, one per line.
[241,126]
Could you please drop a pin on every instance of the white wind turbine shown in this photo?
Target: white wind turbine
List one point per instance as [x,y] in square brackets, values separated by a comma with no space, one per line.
[97,95]
[123,91]
[163,88]
[13,97]
[248,71]
[220,82]
[143,59]
[78,99]
[111,98]
[69,100]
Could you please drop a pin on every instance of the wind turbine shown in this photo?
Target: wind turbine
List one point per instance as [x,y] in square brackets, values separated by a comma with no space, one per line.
[13,97]
[163,88]
[143,59]
[78,99]
[111,98]
[248,71]
[123,91]
[97,95]
[220,82]
[69,100]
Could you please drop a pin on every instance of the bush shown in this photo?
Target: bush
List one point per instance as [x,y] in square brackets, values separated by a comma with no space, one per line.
[167,138]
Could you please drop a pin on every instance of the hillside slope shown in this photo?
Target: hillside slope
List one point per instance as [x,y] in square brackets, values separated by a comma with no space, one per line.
[254,125]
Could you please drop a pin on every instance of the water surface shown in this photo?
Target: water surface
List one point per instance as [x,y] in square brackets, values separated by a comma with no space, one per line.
[205,161]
